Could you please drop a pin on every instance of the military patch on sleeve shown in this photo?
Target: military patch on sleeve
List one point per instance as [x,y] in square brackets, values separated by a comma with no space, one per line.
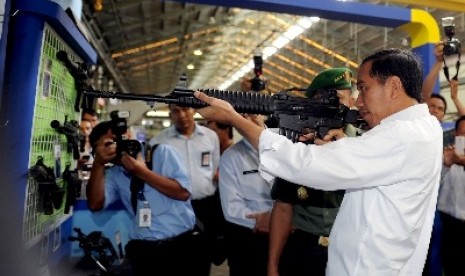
[302,193]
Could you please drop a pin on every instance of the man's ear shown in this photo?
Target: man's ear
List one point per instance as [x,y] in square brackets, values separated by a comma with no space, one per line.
[395,84]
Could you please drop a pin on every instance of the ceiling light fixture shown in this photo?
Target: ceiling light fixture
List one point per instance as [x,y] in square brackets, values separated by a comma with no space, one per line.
[198,52]
[190,66]
[291,33]
[164,114]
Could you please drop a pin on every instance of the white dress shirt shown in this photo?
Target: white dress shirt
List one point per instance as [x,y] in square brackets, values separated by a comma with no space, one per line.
[242,190]
[391,176]
[452,193]
[201,155]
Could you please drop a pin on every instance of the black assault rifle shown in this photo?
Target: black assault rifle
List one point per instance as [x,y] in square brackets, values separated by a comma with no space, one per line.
[296,115]
[74,137]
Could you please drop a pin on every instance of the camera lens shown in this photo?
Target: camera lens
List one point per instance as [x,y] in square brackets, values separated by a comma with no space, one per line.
[132,147]
[451,48]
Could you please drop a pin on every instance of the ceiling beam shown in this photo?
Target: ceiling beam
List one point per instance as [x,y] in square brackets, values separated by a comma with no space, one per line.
[365,13]
[452,5]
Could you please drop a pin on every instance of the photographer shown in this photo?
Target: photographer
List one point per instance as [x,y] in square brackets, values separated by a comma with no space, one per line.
[433,74]
[161,236]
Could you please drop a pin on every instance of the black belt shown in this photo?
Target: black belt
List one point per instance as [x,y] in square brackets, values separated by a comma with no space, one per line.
[163,241]
[309,238]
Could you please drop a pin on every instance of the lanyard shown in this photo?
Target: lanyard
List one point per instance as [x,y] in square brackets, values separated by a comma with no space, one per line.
[457,68]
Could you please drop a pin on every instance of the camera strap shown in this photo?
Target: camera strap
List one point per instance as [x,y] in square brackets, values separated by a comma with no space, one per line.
[137,184]
[457,68]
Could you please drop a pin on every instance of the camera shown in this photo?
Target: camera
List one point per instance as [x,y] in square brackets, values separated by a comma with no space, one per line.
[452,44]
[119,128]
[257,84]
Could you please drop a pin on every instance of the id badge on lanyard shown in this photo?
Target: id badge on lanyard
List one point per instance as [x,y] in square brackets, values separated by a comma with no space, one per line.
[145,215]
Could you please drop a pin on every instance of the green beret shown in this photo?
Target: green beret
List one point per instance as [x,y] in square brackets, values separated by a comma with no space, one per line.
[333,78]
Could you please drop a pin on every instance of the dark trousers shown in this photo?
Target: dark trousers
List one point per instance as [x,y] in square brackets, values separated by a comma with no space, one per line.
[177,256]
[211,224]
[453,241]
[433,263]
[247,251]
[303,256]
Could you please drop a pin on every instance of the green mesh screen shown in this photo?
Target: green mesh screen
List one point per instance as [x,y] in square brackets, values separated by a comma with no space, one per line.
[55,96]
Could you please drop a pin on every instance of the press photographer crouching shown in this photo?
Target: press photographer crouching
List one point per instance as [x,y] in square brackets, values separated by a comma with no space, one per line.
[155,193]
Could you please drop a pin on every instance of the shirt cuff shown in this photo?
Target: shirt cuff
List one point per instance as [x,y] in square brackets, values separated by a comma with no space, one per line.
[269,144]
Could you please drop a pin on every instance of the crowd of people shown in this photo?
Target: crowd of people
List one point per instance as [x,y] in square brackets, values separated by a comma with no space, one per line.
[354,202]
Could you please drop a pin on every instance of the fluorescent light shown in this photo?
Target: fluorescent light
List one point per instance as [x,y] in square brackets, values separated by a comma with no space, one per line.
[190,66]
[164,114]
[268,52]
[157,113]
[145,122]
[244,69]
[166,123]
[280,42]
[293,32]
[198,52]
[290,34]
[305,22]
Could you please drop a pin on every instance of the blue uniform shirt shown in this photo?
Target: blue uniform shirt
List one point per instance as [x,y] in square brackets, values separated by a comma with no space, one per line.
[169,217]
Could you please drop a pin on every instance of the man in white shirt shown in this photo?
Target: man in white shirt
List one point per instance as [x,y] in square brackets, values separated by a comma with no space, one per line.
[391,173]
[246,202]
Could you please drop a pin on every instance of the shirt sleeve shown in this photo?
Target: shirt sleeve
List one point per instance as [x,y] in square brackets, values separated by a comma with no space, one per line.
[216,154]
[351,162]
[111,190]
[232,200]
[166,161]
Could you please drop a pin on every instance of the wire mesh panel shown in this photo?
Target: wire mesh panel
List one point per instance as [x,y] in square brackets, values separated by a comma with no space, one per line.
[55,96]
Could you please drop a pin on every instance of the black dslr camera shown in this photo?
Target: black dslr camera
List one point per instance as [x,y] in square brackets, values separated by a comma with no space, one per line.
[257,84]
[119,128]
[452,44]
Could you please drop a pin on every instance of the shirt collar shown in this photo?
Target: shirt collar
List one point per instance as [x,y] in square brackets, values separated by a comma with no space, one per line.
[173,132]
[411,112]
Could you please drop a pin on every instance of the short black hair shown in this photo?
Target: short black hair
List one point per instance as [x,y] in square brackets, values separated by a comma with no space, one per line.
[89,111]
[224,126]
[403,64]
[98,131]
[438,96]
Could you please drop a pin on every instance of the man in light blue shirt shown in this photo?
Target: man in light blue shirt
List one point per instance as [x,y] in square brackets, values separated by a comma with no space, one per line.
[161,234]
[200,150]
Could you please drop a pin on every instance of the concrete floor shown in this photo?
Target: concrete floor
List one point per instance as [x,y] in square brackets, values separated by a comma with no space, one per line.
[221,270]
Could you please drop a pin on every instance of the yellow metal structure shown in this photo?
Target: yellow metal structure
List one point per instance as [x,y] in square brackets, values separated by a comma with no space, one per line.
[423,28]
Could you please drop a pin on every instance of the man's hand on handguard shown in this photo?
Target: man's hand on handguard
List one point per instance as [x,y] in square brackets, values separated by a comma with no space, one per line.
[218,110]
[223,112]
